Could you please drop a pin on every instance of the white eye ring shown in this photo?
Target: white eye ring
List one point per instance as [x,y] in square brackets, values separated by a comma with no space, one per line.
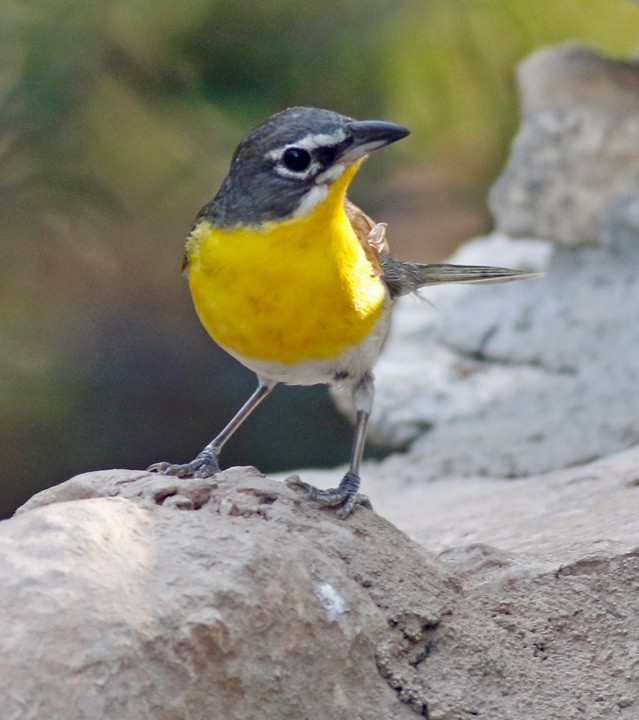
[283,169]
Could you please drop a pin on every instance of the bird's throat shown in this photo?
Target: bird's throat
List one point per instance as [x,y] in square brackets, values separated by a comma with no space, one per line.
[288,291]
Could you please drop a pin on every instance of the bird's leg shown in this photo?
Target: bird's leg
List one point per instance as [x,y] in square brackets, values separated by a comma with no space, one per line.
[206,464]
[346,495]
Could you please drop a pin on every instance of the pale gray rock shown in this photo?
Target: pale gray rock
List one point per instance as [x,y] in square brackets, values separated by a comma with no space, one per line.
[512,380]
[133,596]
[577,152]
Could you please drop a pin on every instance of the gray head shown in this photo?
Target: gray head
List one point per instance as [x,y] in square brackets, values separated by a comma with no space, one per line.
[285,164]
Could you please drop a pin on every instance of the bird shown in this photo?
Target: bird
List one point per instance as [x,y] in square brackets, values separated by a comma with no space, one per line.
[293,280]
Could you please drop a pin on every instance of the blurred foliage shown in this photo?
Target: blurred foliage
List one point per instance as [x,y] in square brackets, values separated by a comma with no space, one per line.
[117,119]
[451,72]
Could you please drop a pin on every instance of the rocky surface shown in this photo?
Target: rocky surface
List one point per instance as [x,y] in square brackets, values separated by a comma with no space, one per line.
[203,599]
[559,517]
[512,380]
[577,152]
[129,595]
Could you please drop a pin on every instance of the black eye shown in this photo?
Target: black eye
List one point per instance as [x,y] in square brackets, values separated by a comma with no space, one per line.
[296,159]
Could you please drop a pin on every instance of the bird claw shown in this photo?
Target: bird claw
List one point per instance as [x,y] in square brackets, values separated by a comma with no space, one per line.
[205,465]
[344,498]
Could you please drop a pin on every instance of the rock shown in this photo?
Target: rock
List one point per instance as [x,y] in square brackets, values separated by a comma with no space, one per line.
[156,598]
[513,380]
[129,595]
[549,520]
[550,563]
[577,152]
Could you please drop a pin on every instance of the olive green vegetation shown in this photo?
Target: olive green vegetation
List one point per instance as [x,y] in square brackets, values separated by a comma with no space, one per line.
[117,119]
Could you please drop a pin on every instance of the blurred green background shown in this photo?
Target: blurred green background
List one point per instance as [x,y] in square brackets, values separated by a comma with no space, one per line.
[117,121]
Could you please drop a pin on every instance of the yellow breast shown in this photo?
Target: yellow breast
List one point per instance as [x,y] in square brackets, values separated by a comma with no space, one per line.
[291,291]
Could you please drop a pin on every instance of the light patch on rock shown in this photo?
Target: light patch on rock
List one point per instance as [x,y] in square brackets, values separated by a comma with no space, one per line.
[333,602]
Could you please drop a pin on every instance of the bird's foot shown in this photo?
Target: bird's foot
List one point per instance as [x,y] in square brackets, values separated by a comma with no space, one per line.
[205,465]
[344,497]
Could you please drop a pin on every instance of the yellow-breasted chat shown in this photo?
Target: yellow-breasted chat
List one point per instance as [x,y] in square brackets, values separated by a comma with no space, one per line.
[296,282]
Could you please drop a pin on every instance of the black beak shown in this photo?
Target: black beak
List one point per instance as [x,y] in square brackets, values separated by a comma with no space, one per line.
[368,135]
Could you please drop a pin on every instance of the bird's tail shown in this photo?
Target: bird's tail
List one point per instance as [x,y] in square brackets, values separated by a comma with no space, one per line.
[406,277]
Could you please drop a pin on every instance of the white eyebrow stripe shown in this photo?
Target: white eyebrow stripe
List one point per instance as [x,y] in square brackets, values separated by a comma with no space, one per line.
[310,142]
